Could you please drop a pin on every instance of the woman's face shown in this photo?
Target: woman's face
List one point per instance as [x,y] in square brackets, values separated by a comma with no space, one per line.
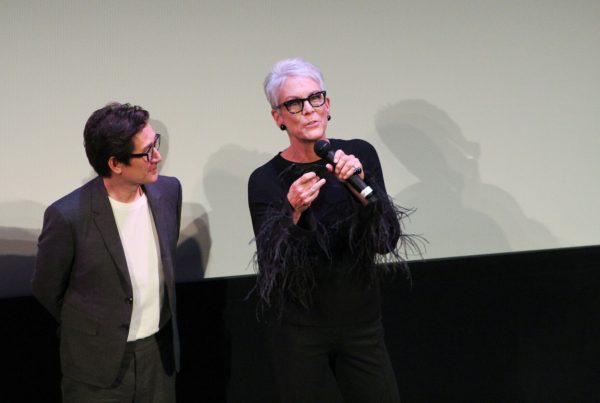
[310,124]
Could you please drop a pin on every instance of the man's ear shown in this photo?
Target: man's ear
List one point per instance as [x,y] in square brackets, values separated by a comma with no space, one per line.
[114,165]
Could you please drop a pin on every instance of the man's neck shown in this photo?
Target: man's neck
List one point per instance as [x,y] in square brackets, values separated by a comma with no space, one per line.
[122,192]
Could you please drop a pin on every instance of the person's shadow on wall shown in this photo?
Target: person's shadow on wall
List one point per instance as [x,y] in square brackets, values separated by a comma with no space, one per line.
[226,187]
[195,242]
[459,215]
[219,357]
[456,212]
[18,247]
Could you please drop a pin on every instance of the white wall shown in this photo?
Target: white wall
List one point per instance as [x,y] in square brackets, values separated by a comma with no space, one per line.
[485,113]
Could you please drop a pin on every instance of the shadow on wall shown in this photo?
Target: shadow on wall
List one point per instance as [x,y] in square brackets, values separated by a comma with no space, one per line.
[17,260]
[18,246]
[211,347]
[226,176]
[456,211]
[194,245]
[160,127]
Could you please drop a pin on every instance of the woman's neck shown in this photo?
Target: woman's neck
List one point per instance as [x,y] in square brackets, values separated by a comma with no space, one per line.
[300,152]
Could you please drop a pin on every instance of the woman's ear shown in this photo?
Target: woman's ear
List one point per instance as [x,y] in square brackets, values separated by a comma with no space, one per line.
[278,119]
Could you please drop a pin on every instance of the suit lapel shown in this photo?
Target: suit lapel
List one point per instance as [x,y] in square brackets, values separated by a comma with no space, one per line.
[153,196]
[107,226]
[162,229]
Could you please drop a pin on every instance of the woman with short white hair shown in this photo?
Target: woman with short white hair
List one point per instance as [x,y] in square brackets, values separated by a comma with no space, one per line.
[319,248]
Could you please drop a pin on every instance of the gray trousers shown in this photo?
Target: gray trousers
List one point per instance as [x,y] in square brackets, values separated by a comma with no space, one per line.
[147,375]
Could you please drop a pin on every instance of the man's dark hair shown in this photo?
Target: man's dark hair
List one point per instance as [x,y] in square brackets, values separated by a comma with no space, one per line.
[109,132]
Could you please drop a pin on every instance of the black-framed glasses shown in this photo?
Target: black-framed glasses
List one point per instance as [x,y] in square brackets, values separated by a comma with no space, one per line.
[296,105]
[149,153]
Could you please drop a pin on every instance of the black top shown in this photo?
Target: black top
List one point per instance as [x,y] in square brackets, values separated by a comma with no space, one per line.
[321,271]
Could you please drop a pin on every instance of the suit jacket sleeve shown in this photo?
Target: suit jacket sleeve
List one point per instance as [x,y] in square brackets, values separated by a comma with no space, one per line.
[53,262]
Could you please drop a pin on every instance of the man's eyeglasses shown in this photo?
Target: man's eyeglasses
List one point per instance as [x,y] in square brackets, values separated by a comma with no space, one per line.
[297,105]
[149,154]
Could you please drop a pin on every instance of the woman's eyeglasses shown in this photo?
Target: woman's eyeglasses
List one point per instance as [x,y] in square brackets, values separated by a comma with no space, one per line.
[296,105]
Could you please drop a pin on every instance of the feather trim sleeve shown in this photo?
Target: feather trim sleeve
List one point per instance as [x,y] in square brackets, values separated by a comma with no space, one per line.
[377,237]
[286,257]
[378,241]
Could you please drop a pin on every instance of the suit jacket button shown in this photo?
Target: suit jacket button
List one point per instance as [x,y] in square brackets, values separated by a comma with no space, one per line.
[129,300]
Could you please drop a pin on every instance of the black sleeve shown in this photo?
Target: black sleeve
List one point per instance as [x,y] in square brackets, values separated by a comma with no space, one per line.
[380,220]
[285,252]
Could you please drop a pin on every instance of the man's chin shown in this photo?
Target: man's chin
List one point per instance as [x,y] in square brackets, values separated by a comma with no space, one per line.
[152,178]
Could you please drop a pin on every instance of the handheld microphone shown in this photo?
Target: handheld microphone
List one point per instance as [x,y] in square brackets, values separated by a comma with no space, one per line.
[323,150]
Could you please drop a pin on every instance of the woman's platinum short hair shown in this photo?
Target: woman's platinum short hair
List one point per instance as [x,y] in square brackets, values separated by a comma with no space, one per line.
[285,69]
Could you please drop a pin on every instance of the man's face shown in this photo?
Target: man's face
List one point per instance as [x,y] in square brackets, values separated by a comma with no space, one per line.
[142,170]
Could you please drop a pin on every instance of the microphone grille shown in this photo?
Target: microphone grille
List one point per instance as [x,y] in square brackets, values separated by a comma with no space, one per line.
[322,148]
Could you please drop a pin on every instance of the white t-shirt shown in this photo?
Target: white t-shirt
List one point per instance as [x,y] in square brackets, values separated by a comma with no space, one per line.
[140,243]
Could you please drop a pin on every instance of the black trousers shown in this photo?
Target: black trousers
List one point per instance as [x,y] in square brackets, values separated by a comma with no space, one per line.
[147,375]
[323,364]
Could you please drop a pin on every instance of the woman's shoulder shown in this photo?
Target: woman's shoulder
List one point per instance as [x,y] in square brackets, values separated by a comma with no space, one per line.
[352,146]
[269,171]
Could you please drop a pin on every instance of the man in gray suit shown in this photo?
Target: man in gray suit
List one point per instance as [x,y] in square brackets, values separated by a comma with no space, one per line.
[105,270]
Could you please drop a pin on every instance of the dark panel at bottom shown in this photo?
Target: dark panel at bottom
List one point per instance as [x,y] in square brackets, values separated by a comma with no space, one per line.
[509,327]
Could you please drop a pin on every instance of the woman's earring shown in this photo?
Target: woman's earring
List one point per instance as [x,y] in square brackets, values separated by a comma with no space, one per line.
[282,127]
[328,117]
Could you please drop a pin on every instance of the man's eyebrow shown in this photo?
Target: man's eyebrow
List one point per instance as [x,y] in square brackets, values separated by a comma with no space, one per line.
[151,143]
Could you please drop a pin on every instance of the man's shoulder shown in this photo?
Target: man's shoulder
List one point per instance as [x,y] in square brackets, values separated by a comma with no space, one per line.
[166,188]
[167,184]
[76,200]
[168,180]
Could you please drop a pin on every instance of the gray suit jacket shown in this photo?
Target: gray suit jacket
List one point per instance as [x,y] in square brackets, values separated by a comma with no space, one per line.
[81,276]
